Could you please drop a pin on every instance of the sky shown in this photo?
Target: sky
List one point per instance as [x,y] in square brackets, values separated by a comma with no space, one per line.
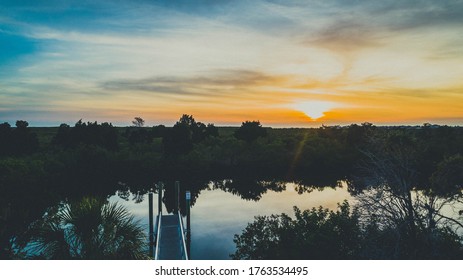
[285,63]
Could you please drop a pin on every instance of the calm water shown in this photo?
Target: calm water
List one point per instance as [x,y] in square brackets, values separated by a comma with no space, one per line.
[218,215]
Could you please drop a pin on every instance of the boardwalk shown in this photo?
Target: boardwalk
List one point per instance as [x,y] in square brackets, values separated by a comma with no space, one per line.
[170,239]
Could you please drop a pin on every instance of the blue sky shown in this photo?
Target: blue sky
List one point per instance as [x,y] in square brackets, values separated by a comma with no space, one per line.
[286,63]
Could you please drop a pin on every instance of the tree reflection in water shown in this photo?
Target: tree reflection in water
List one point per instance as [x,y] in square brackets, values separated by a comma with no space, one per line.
[409,205]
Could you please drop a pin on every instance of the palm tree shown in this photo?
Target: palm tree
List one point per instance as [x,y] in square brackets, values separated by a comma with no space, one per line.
[89,229]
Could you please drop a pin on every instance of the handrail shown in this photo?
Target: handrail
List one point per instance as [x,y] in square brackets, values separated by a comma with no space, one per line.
[158,237]
[182,232]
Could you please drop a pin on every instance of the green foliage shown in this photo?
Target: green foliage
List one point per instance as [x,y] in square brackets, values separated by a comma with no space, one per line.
[447,180]
[313,234]
[22,201]
[138,135]
[323,234]
[17,141]
[138,122]
[178,140]
[184,134]
[158,131]
[402,186]
[103,135]
[211,130]
[250,131]
[23,172]
[91,158]
[89,229]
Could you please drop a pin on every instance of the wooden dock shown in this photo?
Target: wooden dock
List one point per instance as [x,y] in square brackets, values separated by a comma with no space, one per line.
[169,241]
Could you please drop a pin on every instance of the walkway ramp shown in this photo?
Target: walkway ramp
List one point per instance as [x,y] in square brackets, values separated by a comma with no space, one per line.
[170,239]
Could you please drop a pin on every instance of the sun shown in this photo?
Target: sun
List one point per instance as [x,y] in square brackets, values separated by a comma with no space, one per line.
[314,109]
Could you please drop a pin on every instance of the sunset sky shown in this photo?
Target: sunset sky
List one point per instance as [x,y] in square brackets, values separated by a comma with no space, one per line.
[285,63]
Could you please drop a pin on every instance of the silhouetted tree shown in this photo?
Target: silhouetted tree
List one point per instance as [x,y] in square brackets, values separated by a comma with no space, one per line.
[90,133]
[185,133]
[250,131]
[4,128]
[22,124]
[17,141]
[138,122]
[392,190]
[109,136]
[447,179]
[211,130]
[6,138]
[357,135]
[198,132]
[138,135]
[158,131]
[177,140]
[186,120]
[25,141]
[62,137]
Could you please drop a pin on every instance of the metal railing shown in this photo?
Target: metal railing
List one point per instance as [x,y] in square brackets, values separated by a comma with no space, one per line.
[158,237]
[183,242]
[181,227]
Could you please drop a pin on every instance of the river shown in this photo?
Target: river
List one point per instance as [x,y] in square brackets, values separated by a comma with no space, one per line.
[218,215]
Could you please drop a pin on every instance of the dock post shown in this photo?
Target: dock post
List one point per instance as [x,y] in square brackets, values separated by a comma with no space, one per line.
[151,227]
[188,224]
[160,186]
[176,197]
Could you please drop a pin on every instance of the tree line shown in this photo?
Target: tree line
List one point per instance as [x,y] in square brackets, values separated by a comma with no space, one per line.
[17,141]
[402,175]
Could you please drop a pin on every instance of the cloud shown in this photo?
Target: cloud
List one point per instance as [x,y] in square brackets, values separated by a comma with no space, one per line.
[420,13]
[227,57]
[357,25]
[346,36]
[218,82]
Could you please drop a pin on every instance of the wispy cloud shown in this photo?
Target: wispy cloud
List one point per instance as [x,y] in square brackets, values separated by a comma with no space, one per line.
[216,83]
[347,36]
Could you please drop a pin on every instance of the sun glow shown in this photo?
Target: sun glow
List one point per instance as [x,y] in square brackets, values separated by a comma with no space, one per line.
[320,67]
[315,109]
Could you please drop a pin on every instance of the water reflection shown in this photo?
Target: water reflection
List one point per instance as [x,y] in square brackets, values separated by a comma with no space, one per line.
[248,189]
[220,210]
